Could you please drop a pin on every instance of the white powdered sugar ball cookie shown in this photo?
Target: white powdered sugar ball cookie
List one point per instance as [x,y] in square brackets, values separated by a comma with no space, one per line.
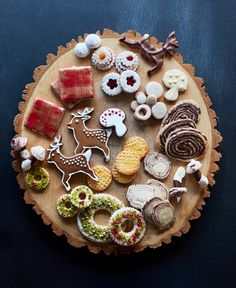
[154,88]
[81,50]
[133,105]
[140,97]
[93,41]
[151,99]
[159,110]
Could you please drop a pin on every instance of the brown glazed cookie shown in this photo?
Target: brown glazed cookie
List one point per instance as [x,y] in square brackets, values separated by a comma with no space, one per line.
[185,144]
[167,129]
[185,109]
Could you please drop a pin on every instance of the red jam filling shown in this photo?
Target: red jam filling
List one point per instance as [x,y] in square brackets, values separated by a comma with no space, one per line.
[112,83]
[129,58]
[130,81]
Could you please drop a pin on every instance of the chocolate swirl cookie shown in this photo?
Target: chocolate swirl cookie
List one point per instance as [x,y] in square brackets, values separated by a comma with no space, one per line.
[186,109]
[186,143]
[172,126]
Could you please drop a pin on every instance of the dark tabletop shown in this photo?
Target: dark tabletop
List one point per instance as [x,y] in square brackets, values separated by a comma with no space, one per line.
[31,255]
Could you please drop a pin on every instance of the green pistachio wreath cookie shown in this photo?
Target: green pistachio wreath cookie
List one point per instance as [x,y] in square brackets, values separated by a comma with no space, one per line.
[81,196]
[65,207]
[88,227]
[37,178]
[128,238]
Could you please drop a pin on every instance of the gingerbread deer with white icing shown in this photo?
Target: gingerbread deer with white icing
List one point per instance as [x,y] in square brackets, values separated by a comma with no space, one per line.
[89,138]
[69,166]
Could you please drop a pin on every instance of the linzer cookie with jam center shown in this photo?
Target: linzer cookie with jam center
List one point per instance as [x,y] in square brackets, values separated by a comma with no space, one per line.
[178,123]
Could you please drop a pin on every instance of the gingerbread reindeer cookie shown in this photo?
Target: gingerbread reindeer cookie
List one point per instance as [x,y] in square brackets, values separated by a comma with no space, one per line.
[89,138]
[69,166]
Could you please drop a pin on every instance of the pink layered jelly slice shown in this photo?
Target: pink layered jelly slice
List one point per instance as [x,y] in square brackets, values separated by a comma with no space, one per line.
[44,117]
[56,88]
[76,83]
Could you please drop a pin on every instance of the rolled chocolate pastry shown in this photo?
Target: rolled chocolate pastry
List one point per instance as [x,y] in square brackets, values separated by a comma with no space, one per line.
[186,109]
[160,213]
[167,129]
[186,143]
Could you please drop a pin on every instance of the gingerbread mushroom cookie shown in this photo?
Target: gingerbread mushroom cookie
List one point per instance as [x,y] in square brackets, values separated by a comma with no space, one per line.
[114,117]
[104,179]
[177,81]
[157,165]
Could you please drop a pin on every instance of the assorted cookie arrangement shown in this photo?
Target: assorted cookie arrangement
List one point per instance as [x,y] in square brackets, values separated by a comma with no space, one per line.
[167,157]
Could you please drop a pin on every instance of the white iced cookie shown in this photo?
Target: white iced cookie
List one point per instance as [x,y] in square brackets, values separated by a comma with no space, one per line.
[140,97]
[151,99]
[111,84]
[81,50]
[159,110]
[177,81]
[154,88]
[93,41]
[142,112]
[133,105]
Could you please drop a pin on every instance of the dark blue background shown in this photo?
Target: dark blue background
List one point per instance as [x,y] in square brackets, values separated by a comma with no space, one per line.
[30,254]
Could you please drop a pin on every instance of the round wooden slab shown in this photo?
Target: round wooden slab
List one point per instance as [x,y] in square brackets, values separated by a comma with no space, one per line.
[44,202]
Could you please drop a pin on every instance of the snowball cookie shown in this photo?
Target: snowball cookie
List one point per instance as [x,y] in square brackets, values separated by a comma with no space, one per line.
[93,41]
[133,105]
[151,99]
[81,50]
[159,110]
[140,97]
[154,88]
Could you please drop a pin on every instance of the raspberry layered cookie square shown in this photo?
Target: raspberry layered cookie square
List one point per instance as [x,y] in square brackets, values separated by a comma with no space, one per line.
[44,117]
[76,83]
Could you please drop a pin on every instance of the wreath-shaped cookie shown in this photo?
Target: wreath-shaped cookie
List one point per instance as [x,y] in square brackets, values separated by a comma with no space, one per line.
[156,134]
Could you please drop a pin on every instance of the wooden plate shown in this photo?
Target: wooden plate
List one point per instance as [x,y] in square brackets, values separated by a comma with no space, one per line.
[44,202]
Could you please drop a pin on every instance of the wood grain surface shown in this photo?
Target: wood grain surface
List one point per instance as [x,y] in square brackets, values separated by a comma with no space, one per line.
[31,256]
